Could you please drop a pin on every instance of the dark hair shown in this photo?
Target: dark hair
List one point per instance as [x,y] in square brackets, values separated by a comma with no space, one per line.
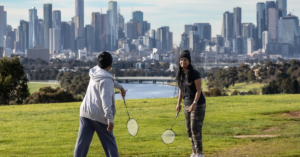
[189,72]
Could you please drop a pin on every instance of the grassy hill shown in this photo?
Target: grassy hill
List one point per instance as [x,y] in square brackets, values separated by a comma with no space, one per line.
[51,129]
[35,86]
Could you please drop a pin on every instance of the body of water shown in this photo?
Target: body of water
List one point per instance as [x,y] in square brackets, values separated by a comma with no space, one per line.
[147,90]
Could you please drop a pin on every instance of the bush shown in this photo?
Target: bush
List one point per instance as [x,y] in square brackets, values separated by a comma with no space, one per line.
[214,92]
[207,94]
[235,93]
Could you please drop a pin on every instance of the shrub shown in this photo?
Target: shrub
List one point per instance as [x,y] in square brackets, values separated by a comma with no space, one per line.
[207,94]
[214,92]
[235,93]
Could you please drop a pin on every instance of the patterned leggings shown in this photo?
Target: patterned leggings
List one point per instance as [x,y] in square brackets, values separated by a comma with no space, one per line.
[194,122]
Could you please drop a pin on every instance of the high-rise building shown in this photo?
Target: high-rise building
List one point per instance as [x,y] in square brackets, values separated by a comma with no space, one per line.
[250,45]
[38,53]
[1,52]
[112,22]
[79,14]
[95,22]
[129,29]
[47,23]
[121,21]
[268,5]
[288,30]
[54,40]
[5,23]
[282,7]
[203,30]
[227,26]
[266,39]
[248,30]
[237,21]
[70,39]
[24,35]
[273,24]
[260,14]
[33,28]
[56,19]
[79,34]
[2,21]
[41,33]
[240,45]
[103,30]
[138,16]
[90,38]
[145,27]
[184,41]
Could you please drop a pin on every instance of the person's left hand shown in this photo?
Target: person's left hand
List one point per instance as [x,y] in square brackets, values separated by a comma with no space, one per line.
[123,92]
[192,107]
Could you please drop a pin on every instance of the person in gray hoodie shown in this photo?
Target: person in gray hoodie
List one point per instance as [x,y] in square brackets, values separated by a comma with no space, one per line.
[97,110]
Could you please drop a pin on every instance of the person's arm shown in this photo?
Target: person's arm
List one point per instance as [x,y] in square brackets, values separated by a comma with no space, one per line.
[178,107]
[120,87]
[106,99]
[198,94]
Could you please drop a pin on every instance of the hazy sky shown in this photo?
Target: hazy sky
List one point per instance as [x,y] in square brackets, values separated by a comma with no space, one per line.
[172,13]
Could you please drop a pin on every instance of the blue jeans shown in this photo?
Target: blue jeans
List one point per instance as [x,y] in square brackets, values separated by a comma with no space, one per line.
[86,132]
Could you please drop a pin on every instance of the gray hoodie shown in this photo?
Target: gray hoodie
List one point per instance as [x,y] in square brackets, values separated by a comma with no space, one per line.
[99,101]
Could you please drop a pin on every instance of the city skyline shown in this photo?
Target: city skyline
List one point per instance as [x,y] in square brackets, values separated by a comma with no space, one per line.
[189,12]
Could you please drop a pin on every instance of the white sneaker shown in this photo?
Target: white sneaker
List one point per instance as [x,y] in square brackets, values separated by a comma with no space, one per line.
[193,155]
[199,155]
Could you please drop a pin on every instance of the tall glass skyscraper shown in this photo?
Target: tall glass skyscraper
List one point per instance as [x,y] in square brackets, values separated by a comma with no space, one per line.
[282,7]
[273,24]
[260,15]
[2,26]
[56,19]
[47,23]
[113,22]
[33,28]
[269,4]
[79,11]
[227,27]
[237,22]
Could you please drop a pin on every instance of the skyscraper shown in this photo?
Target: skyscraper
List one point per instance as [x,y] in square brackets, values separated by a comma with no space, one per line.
[41,33]
[121,21]
[260,15]
[89,38]
[2,26]
[248,30]
[47,23]
[112,22]
[203,30]
[24,35]
[56,19]
[138,16]
[266,39]
[33,28]
[289,30]
[79,11]
[5,23]
[95,22]
[273,24]
[237,21]
[54,38]
[269,4]
[282,7]
[227,26]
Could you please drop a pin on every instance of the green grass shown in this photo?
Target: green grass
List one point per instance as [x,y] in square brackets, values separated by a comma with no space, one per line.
[51,129]
[35,86]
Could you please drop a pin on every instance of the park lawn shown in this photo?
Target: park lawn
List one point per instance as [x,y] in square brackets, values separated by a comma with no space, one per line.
[35,86]
[51,129]
[248,86]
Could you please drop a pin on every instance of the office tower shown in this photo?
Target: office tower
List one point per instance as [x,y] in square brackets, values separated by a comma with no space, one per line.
[47,23]
[41,33]
[90,38]
[240,46]
[79,14]
[54,40]
[237,22]
[24,35]
[260,14]
[78,27]
[184,44]
[33,28]
[12,36]
[2,21]
[64,35]
[203,30]
[71,36]
[282,7]
[273,24]
[250,45]
[227,26]
[129,30]
[103,30]
[38,53]
[266,39]
[288,30]
[121,21]
[145,27]
[218,40]
[188,28]
[1,52]
[268,5]
[248,30]
[152,33]
[112,23]
[170,41]
[193,41]
[95,22]
[138,16]
[56,19]
[5,22]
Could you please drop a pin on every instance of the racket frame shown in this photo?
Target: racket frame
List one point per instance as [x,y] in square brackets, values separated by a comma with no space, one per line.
[137,127]
[174,136]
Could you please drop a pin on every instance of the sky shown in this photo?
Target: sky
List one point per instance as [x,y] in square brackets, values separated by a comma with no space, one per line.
[172,13]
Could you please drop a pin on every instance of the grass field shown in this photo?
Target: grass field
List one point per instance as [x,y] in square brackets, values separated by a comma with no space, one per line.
[35,86]
[51,129]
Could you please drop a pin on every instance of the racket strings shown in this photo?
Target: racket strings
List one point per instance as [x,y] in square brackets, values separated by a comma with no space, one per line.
[168,136]
[132,127]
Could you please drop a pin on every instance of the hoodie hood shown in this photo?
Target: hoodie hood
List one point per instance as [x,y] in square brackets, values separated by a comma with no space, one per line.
[97,74]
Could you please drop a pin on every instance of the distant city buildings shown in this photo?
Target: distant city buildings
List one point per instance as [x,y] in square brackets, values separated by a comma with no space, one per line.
[38,53]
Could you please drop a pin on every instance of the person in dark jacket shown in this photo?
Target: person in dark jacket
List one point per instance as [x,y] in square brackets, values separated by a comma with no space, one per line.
[189,82]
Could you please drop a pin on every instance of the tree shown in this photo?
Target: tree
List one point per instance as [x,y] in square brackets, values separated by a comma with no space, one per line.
[13,82]
[251,76]
[294,87]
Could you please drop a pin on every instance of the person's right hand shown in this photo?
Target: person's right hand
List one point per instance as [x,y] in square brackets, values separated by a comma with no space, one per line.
[110,127]
[178,108]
